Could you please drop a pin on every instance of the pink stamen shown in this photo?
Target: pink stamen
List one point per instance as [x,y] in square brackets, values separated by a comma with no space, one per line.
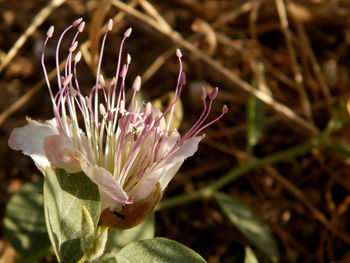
[58,51]
[81,27]
[126,35]
[132,155]
[99,69]
[77,22]
[102,85]
[214,93]
[176,98]
[121,96]
[77,58]
[73,47]
[203,94]
[198,124]
[49,35]
[136,88]
[123,124]
[181,79]
[110,25]
[192,129]
[224,111]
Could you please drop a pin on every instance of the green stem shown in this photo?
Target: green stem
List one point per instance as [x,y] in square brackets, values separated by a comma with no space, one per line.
[82,260]
[209,191]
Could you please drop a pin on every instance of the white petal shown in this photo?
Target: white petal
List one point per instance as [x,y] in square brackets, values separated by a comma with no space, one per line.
[86,148]
[166,145]
[187,149]
[106,183]
[146,185]
[61,153]
[167,168]
[143,188]
[107,202]
[29,139]
[84,145]
[169,174]
[157,113]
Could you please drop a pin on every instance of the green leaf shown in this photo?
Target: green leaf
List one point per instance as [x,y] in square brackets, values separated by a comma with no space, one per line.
[99,245]
[87,230]
[118,238]
[250,256]
[93,242]
[341,148]
[256,114]
[64,197]
[24,220]
[250,225]
[157,250]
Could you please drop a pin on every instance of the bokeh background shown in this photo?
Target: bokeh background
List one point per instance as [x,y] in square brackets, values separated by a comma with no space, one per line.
[303,48]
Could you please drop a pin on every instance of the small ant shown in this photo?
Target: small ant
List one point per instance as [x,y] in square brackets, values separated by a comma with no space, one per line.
[119,214]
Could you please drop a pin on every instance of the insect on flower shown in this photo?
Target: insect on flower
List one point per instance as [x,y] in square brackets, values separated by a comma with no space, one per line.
[130,152]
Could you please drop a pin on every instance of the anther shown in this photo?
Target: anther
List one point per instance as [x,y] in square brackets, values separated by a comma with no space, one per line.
[148,109]
[128,59]
[137,84]
[110,25]
[77,22]
[214,93]
[123,72]
[77,57]
[67,80]
[128,32]
[178,53]
[224,109]
[109,115]
[81,27]
[102,109]
[101,80]
[50,31]
[73,47]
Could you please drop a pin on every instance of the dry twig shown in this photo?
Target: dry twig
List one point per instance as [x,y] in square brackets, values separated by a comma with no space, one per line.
[307,203]
[298,77]
[315,65]
[37,21]
[235,80]
[232,15]
[26,96]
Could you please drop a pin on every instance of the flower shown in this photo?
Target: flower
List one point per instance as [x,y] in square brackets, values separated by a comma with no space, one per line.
[129,152]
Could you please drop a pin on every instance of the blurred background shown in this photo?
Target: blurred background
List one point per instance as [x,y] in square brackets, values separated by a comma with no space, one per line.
[292,54]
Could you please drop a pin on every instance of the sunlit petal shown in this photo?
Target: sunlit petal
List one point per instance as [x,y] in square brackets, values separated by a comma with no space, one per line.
[29,139]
